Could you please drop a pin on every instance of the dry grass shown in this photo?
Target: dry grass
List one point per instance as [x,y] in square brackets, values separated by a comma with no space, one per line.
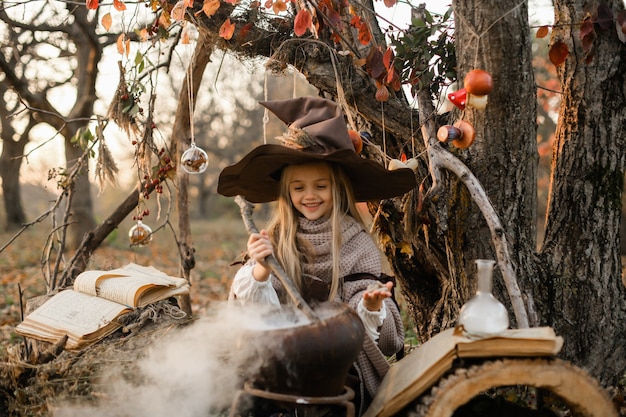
[217,244]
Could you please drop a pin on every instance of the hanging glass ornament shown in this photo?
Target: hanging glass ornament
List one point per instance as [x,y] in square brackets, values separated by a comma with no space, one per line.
[483,314]
[194,160]
[140,234]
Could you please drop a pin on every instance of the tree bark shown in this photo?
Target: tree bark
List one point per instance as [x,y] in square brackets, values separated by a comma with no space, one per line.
[581,247]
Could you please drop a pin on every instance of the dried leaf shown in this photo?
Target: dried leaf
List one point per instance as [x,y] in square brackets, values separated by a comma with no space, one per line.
[179,10]
[92,4]
[143,34]
[302,22]
[127,44]
[120,44]
[227,30]
[106,21]
[184,39]
[390,3]
[388,58]
[119,5]
[375,66]
[279,6]
[605,16]
[558,53]
[586,27]
[210,7]
[365,36]
[542,32]
[245,29]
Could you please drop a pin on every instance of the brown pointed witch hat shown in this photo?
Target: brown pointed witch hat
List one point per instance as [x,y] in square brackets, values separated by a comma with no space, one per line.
[317,131]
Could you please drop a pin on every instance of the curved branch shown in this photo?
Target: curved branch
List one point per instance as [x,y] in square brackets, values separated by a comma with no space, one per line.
[440,159]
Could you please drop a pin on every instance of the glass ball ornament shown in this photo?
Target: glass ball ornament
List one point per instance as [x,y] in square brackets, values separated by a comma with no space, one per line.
[194,160]
[140,234]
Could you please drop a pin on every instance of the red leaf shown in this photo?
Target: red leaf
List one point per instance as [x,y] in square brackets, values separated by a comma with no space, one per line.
[119,5]
[302,22]
[587,41]
[92,4]
[586,27]
[558,53]
[605,17]
[542,32]
[374,63]
[245,29]
[227,30]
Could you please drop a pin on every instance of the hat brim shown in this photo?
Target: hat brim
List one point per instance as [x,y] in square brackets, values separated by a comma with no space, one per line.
[257,176]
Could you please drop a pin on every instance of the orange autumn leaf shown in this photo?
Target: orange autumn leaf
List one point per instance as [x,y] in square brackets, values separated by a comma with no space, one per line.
[542,32]
[184,39]
[302,22]
[92,4]
[189,3]
[227,30]
[210,7]
[279,6]
[119,5]
[143,34]
[120,44]
[106,21]
[390,3]
[127,44]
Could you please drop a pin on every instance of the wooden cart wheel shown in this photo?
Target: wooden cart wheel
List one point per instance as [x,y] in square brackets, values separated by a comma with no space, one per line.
[578,390]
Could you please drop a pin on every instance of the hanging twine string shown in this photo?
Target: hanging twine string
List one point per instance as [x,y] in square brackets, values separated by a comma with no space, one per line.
[266,113]
[190,97]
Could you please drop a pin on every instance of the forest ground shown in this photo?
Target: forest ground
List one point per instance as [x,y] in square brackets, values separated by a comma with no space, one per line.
[217,244]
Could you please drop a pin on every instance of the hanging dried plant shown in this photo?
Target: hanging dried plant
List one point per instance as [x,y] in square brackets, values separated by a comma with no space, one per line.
[124,106]
[106,168]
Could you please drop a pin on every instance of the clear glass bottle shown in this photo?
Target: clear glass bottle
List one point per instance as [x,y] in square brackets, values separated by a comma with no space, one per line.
[483,314]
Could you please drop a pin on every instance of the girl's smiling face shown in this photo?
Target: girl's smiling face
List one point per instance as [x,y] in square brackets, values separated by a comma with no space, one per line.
[310,189]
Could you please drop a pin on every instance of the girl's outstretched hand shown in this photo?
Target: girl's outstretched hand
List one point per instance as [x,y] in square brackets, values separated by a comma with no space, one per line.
[259,248]
[375,294]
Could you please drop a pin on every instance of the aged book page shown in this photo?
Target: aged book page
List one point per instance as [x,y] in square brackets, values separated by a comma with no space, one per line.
[73,313]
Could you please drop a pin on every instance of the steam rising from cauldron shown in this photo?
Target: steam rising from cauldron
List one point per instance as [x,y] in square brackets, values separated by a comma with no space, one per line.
[196,371]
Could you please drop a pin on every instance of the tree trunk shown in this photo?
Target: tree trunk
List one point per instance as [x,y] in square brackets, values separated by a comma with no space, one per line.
[10,163]
[88,55]
[581,246]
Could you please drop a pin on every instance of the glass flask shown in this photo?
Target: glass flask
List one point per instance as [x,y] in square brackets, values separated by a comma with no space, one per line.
[194,160]
[140,234]
[483,314]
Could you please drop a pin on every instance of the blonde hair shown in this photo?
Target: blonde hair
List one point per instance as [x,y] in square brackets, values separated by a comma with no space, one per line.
[283,226]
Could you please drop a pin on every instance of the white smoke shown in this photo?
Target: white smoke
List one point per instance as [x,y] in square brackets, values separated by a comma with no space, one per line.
[195,372]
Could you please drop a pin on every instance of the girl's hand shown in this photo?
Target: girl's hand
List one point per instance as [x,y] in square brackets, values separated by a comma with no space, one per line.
[259,248]
[375,294]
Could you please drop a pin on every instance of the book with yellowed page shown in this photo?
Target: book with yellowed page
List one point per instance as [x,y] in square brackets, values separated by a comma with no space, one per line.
[89,311]
[411,376]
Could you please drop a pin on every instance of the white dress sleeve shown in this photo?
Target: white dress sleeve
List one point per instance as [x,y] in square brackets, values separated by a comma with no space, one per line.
[372,320]
[246,290]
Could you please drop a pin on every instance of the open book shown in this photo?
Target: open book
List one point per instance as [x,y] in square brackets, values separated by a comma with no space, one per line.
[89,311]
[412,375]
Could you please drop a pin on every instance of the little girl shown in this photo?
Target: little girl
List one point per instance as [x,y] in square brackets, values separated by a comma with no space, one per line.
[316,233]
